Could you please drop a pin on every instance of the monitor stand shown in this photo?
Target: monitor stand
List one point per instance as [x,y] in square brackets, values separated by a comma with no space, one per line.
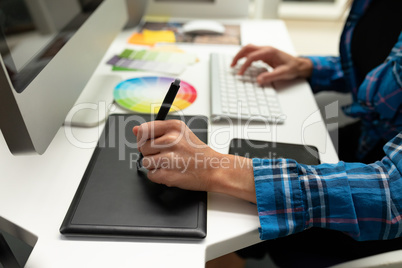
[16,244]
[95,102]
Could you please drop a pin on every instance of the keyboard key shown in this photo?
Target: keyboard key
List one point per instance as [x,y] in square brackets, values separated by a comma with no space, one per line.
[254,111]
[241,96]
[264,111]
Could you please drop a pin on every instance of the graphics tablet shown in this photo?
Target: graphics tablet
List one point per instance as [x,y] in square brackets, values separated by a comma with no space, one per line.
[113,199]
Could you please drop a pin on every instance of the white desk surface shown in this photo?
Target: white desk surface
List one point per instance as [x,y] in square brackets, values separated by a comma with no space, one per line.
[36,191]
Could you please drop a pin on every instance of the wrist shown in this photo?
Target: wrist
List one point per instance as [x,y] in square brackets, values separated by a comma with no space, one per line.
[305,67]
[234,177]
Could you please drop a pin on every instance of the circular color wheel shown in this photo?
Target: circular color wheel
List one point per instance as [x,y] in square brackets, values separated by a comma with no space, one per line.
[146,94]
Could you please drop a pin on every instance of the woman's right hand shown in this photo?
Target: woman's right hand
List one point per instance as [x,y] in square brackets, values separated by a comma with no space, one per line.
[285,66]
[175,157]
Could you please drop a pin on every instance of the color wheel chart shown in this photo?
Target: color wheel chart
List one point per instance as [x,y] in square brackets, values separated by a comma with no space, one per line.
[146,94]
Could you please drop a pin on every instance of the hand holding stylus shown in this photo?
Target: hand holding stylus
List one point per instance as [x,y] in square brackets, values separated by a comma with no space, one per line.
[175,157]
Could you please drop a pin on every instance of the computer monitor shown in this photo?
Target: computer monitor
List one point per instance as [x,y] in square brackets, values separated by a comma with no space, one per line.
[199,8]
[36,95]
[16,244]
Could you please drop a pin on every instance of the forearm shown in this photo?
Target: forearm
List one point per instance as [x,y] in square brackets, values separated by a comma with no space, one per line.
[361,200]
[233,177]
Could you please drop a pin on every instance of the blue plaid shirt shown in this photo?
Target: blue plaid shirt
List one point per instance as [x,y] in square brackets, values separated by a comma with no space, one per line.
[377,101]
[364,201]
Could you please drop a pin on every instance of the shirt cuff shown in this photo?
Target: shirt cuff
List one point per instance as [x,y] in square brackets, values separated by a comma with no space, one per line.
[326,71]
[279,197]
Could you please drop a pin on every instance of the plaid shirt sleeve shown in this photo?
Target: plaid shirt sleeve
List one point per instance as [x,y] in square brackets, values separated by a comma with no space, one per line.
[379,99]
[383,86]
[364,201]
[327,74]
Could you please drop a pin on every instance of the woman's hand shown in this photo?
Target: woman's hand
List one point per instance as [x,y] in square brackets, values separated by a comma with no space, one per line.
[285,66]
[175,157]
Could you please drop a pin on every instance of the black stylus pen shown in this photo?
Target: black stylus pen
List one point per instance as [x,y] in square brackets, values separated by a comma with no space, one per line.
[164,110]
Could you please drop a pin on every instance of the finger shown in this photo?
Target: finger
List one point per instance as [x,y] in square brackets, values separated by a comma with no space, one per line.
[154,175]
[173,178]
[155,146]
[159,176]
[169,178]
[135,130]
[152,162]
[279,73]
[148,148]
[159,161]
[243,53]
[154,129]
[254,56]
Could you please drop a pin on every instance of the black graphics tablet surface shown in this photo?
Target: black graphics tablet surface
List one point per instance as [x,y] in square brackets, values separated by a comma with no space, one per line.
[304,154]
[113,199]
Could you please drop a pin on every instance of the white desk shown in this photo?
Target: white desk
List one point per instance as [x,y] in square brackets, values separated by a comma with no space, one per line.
[36,191]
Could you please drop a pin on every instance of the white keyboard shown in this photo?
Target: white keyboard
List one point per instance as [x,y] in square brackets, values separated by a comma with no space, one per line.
[240,97]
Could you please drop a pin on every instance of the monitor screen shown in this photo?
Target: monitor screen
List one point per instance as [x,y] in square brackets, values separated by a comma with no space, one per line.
[25,21]
[49,50]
